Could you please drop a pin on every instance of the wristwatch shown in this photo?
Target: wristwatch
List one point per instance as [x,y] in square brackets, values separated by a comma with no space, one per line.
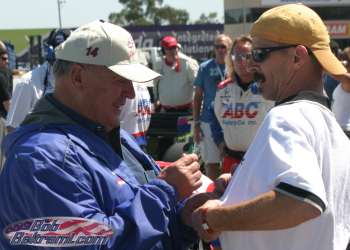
[205,225]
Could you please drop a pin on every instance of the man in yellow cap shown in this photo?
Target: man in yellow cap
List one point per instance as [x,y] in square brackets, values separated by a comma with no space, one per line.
[292,188]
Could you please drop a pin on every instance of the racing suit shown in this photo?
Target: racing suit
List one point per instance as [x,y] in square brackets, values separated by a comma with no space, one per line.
[61,164]
[239,111]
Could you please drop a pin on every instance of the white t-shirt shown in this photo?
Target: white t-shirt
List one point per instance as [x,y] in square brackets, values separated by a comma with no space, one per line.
[28,90]
[239,113]
[176,88]
[135,116]
[341,107]
[301,151]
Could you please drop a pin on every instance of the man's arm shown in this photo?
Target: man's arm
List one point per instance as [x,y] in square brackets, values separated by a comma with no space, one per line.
[299,194]
[345,86]
[344,81]
[216,129]
[157,68]
[192,70]
[156,91]
[141,217]
[269,211]
[197,104]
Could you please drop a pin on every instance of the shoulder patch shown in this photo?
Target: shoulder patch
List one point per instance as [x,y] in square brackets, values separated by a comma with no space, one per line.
[224,83]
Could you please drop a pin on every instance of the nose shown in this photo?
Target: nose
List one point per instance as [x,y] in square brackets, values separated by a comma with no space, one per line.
[243,62]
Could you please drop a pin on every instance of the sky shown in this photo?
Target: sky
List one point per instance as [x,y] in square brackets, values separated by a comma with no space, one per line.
[22,14]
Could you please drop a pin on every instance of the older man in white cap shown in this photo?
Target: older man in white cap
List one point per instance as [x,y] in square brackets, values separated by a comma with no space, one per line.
[69,158]
[292,188]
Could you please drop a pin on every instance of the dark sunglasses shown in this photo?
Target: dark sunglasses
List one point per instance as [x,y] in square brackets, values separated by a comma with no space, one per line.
[220,46]
[260,54]
[4,58]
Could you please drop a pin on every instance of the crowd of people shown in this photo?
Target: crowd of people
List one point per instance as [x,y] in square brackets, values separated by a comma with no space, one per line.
[271,117]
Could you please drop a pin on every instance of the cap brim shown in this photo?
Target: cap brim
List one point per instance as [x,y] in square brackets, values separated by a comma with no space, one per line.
[329,62]
[135,72]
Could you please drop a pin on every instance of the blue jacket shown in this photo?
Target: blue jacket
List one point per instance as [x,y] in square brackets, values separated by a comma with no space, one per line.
[65,170]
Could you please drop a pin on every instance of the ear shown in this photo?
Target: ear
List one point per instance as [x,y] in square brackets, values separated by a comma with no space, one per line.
[76,76]
[301,55]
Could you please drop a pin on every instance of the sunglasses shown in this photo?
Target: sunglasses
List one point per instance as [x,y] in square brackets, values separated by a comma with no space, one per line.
[260,55]
[241,57]
[4,58]
[220,46]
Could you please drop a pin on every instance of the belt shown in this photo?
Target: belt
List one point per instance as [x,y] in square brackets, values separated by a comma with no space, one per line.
[235,154]
[178,108]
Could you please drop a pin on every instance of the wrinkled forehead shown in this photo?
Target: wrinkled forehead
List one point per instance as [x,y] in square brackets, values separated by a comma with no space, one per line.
[101,70]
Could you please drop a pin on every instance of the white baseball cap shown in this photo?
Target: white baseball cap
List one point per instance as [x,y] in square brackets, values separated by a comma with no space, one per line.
[103,43]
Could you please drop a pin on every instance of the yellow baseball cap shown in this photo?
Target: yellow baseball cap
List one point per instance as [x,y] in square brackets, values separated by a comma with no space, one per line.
[298,24]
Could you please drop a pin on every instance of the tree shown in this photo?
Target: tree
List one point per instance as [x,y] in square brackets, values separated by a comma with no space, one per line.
[170,15]
[212,17]
[148,12]
[133,13]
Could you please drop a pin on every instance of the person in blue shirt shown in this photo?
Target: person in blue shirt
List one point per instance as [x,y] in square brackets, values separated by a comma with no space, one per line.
[69,158]
[210,73]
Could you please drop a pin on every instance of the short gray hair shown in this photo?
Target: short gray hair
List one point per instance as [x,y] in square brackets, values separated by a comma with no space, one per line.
[61,67]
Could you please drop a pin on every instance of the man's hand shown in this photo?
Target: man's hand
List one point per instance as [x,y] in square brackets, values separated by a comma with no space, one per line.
[184,175]
[199,218]
[221,147]
[197,133]
[193,203]
[221,183]
[344,81]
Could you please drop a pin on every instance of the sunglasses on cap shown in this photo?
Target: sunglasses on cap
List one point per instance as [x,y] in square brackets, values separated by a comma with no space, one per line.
[220,46]
[259,55]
